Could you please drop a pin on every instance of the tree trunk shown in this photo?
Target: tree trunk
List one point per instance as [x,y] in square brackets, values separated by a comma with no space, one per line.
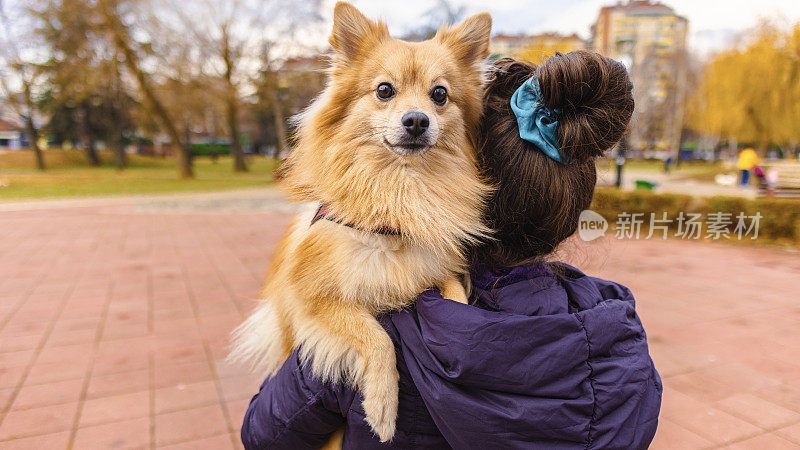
[185,151]
[280,126]
[87,138]
[117,136]
[185,161]
[33,137]
[120,34]
[91,151]
[30,127]
[239,164]
[116,139]
[117,146]
[211,124]
[231,100]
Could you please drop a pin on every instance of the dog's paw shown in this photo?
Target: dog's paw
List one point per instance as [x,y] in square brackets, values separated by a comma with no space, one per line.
[381,416]
[380,404]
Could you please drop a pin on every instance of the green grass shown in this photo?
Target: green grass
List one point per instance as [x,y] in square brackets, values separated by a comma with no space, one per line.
[69,175]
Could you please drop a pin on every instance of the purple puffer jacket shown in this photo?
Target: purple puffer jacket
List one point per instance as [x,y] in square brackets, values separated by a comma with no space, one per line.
[545,357]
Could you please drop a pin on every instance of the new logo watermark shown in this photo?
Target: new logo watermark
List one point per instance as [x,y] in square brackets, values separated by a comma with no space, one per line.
[591,225]
[714,225]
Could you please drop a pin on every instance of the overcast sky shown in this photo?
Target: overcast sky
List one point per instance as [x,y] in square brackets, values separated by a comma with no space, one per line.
[713,24]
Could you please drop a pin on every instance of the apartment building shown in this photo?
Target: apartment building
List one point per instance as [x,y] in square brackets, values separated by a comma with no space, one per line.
[650,38]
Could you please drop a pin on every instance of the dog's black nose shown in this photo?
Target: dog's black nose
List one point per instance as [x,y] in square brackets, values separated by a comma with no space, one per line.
[415,123]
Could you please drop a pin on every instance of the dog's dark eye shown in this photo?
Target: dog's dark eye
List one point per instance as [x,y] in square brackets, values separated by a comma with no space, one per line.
[439,95]
[385,91]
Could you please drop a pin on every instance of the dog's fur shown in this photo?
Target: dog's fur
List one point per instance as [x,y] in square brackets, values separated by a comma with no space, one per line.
[329,281]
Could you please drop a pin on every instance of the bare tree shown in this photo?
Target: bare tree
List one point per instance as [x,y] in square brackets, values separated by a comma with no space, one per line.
[235,32]
[272,74]
[111,12]
[224,30]
[83,76]
[442,12]
[268,83]
[230,53]
[18,50]
[118,114]
[283,88]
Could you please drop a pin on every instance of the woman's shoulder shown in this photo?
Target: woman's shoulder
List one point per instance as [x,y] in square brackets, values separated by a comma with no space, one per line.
[538,289]
[585,328]
[600,288]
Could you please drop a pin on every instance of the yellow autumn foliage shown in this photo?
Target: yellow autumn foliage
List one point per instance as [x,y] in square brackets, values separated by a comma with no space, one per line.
[752,93]
[540,47]
[538,52]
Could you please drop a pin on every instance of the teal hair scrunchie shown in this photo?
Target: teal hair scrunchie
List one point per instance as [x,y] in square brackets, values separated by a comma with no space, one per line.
[537,123]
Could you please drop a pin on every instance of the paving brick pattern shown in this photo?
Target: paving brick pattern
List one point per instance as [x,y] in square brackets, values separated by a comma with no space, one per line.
[114,324]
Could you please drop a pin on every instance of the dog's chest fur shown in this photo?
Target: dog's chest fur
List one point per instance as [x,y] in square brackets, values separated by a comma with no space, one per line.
[377,271]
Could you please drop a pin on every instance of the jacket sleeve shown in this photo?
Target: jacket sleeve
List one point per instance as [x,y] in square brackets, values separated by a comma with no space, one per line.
[294,410]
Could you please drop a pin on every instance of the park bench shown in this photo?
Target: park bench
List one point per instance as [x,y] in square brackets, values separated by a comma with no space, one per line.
[788,185]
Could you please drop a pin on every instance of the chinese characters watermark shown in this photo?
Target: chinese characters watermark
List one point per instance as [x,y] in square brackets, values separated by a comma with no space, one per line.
[714,225]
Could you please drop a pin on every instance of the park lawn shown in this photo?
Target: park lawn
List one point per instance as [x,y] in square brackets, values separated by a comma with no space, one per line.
[68,175]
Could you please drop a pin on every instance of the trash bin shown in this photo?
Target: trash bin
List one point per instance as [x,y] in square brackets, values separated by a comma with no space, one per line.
[644,185]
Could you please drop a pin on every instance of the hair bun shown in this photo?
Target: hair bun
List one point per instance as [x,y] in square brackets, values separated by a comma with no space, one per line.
[595,97]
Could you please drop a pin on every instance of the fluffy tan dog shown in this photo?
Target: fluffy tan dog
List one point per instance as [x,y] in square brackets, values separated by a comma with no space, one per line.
[386,154]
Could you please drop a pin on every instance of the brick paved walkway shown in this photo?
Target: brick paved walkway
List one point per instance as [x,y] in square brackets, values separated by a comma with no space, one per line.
[114,322]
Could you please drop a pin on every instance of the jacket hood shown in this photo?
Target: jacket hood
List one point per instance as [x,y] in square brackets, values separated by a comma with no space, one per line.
[544,355]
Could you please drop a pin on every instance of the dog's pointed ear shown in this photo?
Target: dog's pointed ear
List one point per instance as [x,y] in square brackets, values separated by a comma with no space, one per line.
[353,31]
[469,39]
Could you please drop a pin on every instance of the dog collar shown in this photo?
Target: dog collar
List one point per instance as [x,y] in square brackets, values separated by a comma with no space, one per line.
[323,212]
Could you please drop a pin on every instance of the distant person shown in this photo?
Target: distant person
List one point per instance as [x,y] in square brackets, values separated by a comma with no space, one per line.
[758,172]
[748,160]
[771,179]
[667,164]
[622,148]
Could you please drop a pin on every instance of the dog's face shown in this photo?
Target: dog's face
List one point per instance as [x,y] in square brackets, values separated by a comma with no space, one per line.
[396,123]
[407,98]
[409,104]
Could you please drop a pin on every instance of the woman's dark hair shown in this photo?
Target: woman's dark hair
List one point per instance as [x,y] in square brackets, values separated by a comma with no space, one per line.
[537,200]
